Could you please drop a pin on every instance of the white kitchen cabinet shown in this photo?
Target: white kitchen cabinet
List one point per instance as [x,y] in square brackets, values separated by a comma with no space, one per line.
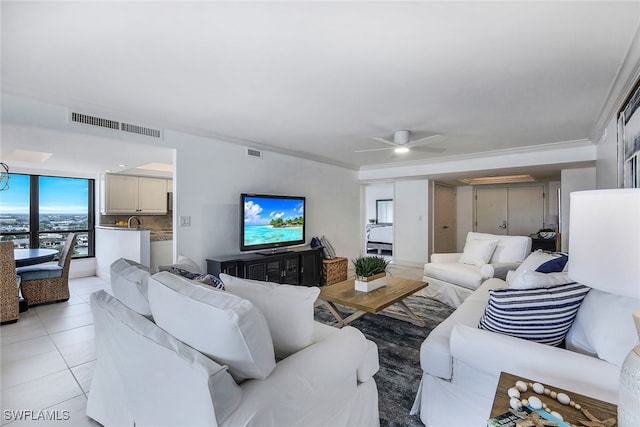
[161,253]
[126,194]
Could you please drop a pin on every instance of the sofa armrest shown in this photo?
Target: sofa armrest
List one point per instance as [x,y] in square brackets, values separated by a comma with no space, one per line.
[307,385]
[449,257]
[498,269]
[493,353]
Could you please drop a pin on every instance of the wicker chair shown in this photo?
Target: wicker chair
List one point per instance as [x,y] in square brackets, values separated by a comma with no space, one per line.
[9,310]
[48,289]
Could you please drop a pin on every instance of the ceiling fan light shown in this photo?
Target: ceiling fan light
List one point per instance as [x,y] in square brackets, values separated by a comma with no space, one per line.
[401,150]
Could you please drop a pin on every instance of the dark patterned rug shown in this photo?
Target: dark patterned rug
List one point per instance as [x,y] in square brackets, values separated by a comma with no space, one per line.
[399,353]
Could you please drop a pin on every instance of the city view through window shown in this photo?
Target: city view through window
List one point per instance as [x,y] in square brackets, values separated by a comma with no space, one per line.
[40,211]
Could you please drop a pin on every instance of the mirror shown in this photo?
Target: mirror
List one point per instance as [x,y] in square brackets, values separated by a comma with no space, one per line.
[384,211]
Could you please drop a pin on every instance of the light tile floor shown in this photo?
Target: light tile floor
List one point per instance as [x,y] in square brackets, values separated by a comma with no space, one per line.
[47,361]
[48,357]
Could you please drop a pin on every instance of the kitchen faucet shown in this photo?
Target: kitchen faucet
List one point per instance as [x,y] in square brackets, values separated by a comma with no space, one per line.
[137,219]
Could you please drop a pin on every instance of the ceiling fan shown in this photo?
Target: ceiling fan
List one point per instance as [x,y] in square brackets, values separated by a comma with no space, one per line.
[402,143]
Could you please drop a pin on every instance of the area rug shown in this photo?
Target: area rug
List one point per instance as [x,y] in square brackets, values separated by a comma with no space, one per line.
[399,353]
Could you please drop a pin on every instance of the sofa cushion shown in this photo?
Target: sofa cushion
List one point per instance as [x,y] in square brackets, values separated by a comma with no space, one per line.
[466,275]
[542,314]
[508,248]
[532,279]
[604,327]
[225,327]
[130,281]
[477,252]
[287,309]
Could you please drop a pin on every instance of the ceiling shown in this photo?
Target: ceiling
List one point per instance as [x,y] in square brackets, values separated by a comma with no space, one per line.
[319,80]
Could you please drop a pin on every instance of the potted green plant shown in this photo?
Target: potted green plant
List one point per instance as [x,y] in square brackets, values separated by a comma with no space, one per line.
[370,271]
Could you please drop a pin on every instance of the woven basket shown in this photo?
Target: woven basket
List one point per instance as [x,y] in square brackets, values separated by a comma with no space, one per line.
[335,270]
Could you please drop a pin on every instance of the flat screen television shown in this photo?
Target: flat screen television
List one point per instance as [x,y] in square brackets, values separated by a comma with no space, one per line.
[271,222]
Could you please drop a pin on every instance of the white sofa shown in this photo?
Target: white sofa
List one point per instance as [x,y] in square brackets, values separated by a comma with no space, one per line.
[461,363]
[146,376]
[452,277]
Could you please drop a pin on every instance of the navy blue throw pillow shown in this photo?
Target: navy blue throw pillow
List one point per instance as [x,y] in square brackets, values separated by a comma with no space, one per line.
[555,265]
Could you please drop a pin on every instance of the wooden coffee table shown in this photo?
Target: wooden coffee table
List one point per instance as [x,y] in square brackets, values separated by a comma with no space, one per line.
[374,302]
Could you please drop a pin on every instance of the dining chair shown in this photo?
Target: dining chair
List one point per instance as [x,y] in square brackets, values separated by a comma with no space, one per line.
[9,309]
[45,283]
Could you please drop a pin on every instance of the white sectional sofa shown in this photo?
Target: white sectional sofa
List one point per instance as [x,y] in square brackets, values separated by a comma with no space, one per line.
[452,277]
[171,351]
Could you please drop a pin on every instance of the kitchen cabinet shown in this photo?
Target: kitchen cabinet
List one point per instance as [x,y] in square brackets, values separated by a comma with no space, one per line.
[161,253]
[125,194]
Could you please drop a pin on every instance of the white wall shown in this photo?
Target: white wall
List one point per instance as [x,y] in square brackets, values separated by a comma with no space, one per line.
[210,176]
[573,180]
[607,162]
[411,219]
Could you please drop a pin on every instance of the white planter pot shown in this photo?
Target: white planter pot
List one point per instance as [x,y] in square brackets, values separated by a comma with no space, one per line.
[370,283]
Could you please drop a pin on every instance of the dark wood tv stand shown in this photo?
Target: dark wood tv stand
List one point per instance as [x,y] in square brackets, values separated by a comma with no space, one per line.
[295,266]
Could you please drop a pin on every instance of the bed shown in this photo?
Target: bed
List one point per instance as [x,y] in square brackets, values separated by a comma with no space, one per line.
[380,237]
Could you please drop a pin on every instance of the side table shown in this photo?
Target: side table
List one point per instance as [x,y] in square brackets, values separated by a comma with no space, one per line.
[597,408]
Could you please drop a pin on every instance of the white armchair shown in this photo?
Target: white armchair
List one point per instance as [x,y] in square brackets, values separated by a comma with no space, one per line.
[453,277]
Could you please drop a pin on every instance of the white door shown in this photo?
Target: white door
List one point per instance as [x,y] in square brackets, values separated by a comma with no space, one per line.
[491,210]
[516,211]
[526,210]
[444,219]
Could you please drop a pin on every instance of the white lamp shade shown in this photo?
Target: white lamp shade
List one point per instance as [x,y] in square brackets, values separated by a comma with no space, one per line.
[604,240]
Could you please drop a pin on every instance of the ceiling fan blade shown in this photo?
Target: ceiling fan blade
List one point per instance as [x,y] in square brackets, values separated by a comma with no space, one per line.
[373,149]
[385,141]
[429,149]
[426,140]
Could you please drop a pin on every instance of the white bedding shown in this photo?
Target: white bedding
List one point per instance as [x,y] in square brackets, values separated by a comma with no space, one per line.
[381,234]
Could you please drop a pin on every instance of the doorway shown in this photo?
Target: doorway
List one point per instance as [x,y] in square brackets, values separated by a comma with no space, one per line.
[516,211]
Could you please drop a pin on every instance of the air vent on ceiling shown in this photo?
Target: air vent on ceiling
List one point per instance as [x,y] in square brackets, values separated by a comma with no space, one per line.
[115,125]
[254,153]
[94,121]
[141,130]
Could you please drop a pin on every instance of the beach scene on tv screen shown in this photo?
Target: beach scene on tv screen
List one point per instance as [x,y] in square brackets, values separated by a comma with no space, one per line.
[272,220]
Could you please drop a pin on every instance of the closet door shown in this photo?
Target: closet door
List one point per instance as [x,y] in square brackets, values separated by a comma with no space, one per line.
[516,211]
[491,210]
[526,210]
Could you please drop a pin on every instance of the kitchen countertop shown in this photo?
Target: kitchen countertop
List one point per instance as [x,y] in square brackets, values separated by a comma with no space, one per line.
[155,235]
[121,227]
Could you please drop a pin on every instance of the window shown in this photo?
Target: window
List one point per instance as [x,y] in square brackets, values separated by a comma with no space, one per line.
[40,211]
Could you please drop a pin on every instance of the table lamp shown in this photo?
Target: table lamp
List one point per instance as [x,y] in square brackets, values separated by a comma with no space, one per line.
[604,253]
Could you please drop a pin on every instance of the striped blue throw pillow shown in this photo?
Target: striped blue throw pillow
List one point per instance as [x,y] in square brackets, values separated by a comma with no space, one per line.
[543,315]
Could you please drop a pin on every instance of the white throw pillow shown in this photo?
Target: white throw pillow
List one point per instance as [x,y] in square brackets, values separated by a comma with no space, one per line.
[183,263]
[478,252]
[288,310]
[508,248]
[604,327]
[129,281]
[530,279]
[533,261]
[227,328]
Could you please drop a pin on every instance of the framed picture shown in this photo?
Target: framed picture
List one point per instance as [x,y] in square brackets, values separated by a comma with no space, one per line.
[629,142]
